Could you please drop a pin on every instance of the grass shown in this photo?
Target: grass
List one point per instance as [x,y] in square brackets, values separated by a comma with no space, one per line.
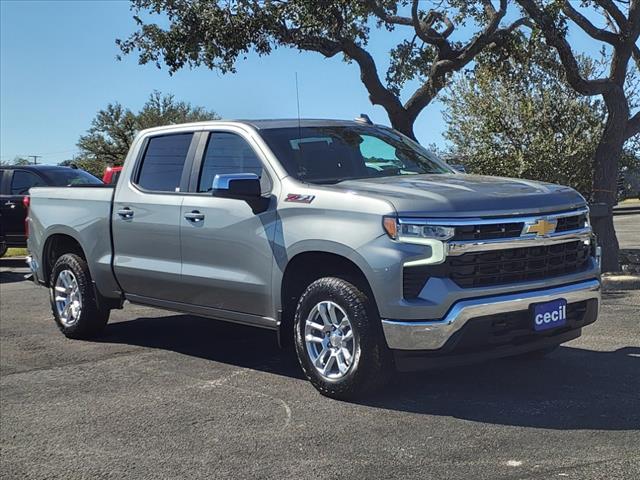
[16,252]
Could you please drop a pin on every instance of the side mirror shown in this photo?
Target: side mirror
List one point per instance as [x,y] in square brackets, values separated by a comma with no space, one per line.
[244,186]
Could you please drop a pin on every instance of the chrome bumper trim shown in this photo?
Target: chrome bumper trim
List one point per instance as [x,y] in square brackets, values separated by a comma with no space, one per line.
[431,335]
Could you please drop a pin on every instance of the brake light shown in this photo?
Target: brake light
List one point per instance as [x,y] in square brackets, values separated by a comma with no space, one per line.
[26,201]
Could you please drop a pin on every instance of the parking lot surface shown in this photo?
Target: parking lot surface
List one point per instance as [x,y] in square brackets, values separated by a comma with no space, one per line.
[164,395]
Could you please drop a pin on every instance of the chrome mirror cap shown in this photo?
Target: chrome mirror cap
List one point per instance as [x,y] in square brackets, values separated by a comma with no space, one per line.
[222,180]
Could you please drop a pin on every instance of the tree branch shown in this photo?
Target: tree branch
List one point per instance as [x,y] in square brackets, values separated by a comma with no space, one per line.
[593,31]
[635,52]
[612,9]
[378,93]
[633,126]
[379,11]
[557,39]
[453,60]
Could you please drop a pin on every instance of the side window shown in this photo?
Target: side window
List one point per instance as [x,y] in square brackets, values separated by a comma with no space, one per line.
[163,162]
[229,153]
[377,152]
[22,181]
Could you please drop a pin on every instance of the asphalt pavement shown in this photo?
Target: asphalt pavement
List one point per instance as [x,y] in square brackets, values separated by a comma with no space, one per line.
[164,395]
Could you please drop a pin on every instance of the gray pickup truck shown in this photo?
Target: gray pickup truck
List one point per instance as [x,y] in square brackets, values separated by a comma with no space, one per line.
[345,238]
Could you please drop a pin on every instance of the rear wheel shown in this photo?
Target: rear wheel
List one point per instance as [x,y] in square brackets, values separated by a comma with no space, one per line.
[73,300]
[339,340]
[3,249]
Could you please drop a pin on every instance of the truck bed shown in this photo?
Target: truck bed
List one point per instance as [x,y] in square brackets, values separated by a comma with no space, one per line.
[80,212]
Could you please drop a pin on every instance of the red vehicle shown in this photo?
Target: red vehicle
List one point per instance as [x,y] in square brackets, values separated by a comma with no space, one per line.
[111,175]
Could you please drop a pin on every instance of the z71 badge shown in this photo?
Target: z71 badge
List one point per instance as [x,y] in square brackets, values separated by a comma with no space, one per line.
[299,198]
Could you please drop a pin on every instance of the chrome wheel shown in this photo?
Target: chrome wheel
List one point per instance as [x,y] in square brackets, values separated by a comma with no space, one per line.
[329,339]
[67,298]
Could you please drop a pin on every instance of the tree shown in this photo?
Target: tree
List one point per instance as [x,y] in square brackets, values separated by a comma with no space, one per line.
[215,33]
[21,161]
[114,128]
[516,116]
[619,34]
[92,165]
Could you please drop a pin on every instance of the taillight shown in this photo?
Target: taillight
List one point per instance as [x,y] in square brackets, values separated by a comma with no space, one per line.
[26,201]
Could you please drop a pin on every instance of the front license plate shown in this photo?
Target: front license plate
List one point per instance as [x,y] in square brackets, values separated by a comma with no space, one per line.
[549,315]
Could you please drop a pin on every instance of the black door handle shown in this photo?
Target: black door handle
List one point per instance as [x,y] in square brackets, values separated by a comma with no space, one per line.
[194,216]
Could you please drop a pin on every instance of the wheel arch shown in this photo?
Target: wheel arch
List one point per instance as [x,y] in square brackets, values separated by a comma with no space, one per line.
[307,266]
[56,245]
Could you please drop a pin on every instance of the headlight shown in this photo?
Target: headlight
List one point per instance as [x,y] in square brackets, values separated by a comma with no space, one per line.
[405,230]
[418,232]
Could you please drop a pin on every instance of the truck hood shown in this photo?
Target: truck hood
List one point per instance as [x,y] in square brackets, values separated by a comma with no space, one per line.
[461,195]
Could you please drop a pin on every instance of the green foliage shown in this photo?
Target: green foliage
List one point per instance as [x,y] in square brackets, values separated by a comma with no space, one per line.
[113,129]
[21,161]
[94,166]
[516,116]
[217,33]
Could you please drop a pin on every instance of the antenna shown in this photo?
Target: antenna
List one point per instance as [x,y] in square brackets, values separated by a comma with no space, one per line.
[298,105]
[300,160]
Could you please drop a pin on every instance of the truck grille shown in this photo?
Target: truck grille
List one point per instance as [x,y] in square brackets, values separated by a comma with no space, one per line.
[488,231]
[491,231]
[575,222]
[501,266]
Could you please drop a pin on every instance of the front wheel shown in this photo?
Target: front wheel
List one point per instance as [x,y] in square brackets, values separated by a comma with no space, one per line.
[339,340]
[3,249]
[73,300]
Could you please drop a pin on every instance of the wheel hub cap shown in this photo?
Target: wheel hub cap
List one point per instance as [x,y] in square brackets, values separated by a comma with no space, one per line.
[67,298]
[329,340]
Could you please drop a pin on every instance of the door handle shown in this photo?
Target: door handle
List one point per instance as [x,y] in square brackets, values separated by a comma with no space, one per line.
[194,216]
[125,212]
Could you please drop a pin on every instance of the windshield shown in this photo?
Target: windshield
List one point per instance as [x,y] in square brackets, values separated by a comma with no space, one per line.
[69,177]
[332,154]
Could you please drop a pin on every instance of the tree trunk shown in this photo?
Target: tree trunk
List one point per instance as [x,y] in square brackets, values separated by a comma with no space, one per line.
[605,180]
[403,123]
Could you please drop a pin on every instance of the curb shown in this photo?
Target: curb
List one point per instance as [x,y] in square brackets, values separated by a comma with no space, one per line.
[620,282]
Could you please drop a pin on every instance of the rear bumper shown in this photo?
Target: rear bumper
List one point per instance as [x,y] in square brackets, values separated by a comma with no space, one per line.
[433,335]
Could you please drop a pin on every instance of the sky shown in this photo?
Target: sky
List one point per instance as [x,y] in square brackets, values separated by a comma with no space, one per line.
[58,67]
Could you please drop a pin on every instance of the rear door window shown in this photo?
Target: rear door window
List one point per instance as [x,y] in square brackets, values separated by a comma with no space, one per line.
[163,162]
[22,181]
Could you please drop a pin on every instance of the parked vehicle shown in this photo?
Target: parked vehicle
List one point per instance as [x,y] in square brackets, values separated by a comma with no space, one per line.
[347,239]
[111,175]
[15,182]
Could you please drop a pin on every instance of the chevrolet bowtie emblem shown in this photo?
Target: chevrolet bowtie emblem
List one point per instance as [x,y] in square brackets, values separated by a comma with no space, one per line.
[541,227]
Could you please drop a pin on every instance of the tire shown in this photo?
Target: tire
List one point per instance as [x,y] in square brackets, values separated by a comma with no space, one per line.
[71,273]
[537,354]
[370,363]
[3,249]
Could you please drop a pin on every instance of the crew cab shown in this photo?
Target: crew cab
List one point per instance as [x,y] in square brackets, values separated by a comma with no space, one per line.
[345,238]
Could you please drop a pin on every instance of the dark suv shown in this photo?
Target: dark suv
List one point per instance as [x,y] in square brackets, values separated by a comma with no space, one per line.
[15,182]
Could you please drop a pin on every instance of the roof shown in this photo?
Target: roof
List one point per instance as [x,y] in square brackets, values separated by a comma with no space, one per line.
[260,124]
[42,167]
[294,122]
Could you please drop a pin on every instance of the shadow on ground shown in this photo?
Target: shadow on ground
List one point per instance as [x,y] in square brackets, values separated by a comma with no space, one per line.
[572,388]
[11,277]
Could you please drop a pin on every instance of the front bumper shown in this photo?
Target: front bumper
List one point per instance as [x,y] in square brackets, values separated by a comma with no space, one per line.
[434,334]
